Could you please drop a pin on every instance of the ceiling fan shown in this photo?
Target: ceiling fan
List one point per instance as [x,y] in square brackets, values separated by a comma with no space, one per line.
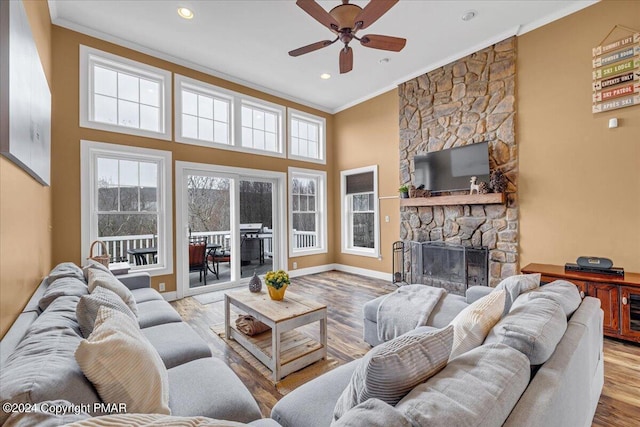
[345,21]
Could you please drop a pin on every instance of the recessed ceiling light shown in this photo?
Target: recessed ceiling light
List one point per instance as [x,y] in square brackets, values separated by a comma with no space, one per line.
[325,76]
[469,15]
[185,12]
[384,60]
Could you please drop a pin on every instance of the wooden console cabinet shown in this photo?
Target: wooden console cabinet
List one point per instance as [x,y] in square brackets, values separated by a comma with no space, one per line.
[619,296]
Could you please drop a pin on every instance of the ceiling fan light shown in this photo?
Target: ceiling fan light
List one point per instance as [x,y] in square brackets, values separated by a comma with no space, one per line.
[185,13]
[346,14]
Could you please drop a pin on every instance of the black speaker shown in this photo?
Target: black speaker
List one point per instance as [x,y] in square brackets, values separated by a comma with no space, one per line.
[594,262]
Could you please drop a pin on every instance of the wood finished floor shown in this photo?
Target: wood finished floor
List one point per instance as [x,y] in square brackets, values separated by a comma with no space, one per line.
[345,294]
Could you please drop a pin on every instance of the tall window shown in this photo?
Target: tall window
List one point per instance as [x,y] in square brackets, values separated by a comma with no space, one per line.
[120,95]
[203,113]
[306,137]
[360,229]
[307,211]
[127,204]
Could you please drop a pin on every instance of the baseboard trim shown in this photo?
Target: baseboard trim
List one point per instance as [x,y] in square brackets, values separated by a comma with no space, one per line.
[311,270]
[363,272]
[169,296]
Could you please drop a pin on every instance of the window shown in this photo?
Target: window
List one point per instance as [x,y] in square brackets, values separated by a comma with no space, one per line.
[120,95]
[306,137]
[215,117]
[126,203]
[203,113]
[360,229]
[307,211]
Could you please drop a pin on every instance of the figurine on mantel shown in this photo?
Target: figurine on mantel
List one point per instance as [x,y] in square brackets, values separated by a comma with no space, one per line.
[419,192]
[474,186]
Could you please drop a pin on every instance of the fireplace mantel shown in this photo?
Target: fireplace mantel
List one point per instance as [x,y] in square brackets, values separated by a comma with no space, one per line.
[459,199]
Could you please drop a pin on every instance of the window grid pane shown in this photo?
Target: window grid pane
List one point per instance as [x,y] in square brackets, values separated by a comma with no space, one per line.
[259,129]
[305,138]
[305,217]
[205,117]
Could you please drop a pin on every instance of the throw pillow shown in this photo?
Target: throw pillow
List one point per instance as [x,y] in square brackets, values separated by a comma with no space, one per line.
[65,269]
[515,285]
[372,413]
[564,293]
[63,286]
[471,325]
[107,280]
[88,306]
[390,370]
[123,366]
[93,265]
[534,329]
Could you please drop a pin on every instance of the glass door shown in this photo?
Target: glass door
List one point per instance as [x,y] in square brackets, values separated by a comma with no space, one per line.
[228,226]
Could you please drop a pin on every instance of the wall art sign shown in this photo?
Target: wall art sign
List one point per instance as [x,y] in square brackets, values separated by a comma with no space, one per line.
[616,73]
[25,97]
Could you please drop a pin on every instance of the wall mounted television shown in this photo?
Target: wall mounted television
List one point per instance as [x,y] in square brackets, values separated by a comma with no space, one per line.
[452,169]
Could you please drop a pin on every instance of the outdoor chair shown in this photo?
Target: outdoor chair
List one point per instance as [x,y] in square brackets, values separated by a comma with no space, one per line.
[198,256]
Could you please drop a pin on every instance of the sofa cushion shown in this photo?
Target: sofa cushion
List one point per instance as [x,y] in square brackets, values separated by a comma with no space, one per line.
[93,265]
[156,312]
[471,325]
[88,306]
[146,294]
[564,293]
[123,366]
[480,387]
[515,285]
[534,328]
[176,343]
[390,370]
[64,286]
[312,404]
[43,366]
[107,280]
[372,413]
[65,269]
[208,387]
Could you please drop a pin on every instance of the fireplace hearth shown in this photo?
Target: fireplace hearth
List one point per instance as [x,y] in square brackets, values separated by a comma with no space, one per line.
[449,266]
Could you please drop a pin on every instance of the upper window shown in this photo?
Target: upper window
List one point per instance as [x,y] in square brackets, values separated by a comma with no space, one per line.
[307,211]
[203,113]
[306,136]
[360,229]
[121,95]
[215,117]
[127,204]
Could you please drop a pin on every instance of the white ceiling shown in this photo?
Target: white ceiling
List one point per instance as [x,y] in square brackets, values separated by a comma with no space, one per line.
[246,41]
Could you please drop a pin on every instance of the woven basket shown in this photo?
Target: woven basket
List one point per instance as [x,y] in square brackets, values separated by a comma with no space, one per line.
[102,259]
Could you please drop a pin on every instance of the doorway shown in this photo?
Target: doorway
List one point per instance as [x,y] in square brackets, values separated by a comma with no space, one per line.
[229,225]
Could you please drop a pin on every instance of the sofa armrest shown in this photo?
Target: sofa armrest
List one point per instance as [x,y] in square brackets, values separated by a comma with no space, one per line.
[135,280]
[474,293]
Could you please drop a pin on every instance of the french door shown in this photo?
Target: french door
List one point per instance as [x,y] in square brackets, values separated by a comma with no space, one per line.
[229,225]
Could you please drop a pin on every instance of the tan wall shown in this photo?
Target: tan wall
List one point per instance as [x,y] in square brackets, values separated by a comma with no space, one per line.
[25,207]
[67,135]
[579,181]
[366,135]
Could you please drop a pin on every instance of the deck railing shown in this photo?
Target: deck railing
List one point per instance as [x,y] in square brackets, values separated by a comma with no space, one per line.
[117,246]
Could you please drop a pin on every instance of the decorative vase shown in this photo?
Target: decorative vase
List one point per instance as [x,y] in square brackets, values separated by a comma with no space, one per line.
[277,294]
[255,284]
[404,195]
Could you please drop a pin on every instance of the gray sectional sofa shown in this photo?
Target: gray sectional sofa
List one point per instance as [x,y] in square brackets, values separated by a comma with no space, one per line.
[493,384]
[37,354]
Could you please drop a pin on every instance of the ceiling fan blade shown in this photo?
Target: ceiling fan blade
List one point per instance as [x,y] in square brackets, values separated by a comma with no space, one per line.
[319,14]
[346,59]
[310,48]
[395,44]
[373,11]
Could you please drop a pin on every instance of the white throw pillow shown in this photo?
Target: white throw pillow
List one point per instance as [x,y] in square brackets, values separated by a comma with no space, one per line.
[515,285]
[123,366]
[391,370]
[109,281]
[89,305]
[471,325]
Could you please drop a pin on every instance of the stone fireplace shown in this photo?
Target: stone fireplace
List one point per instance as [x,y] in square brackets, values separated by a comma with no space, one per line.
[470,100]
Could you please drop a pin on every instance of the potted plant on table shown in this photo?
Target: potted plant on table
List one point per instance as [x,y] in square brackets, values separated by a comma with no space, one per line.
[277,282]
[404,191]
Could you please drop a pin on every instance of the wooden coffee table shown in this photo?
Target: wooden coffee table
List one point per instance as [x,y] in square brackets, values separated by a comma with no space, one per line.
[282,349]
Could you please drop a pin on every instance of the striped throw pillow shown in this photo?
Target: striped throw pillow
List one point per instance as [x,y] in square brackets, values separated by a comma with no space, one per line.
[88,306]
[123,366]
[471,325]
[98,278]
[389,371]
